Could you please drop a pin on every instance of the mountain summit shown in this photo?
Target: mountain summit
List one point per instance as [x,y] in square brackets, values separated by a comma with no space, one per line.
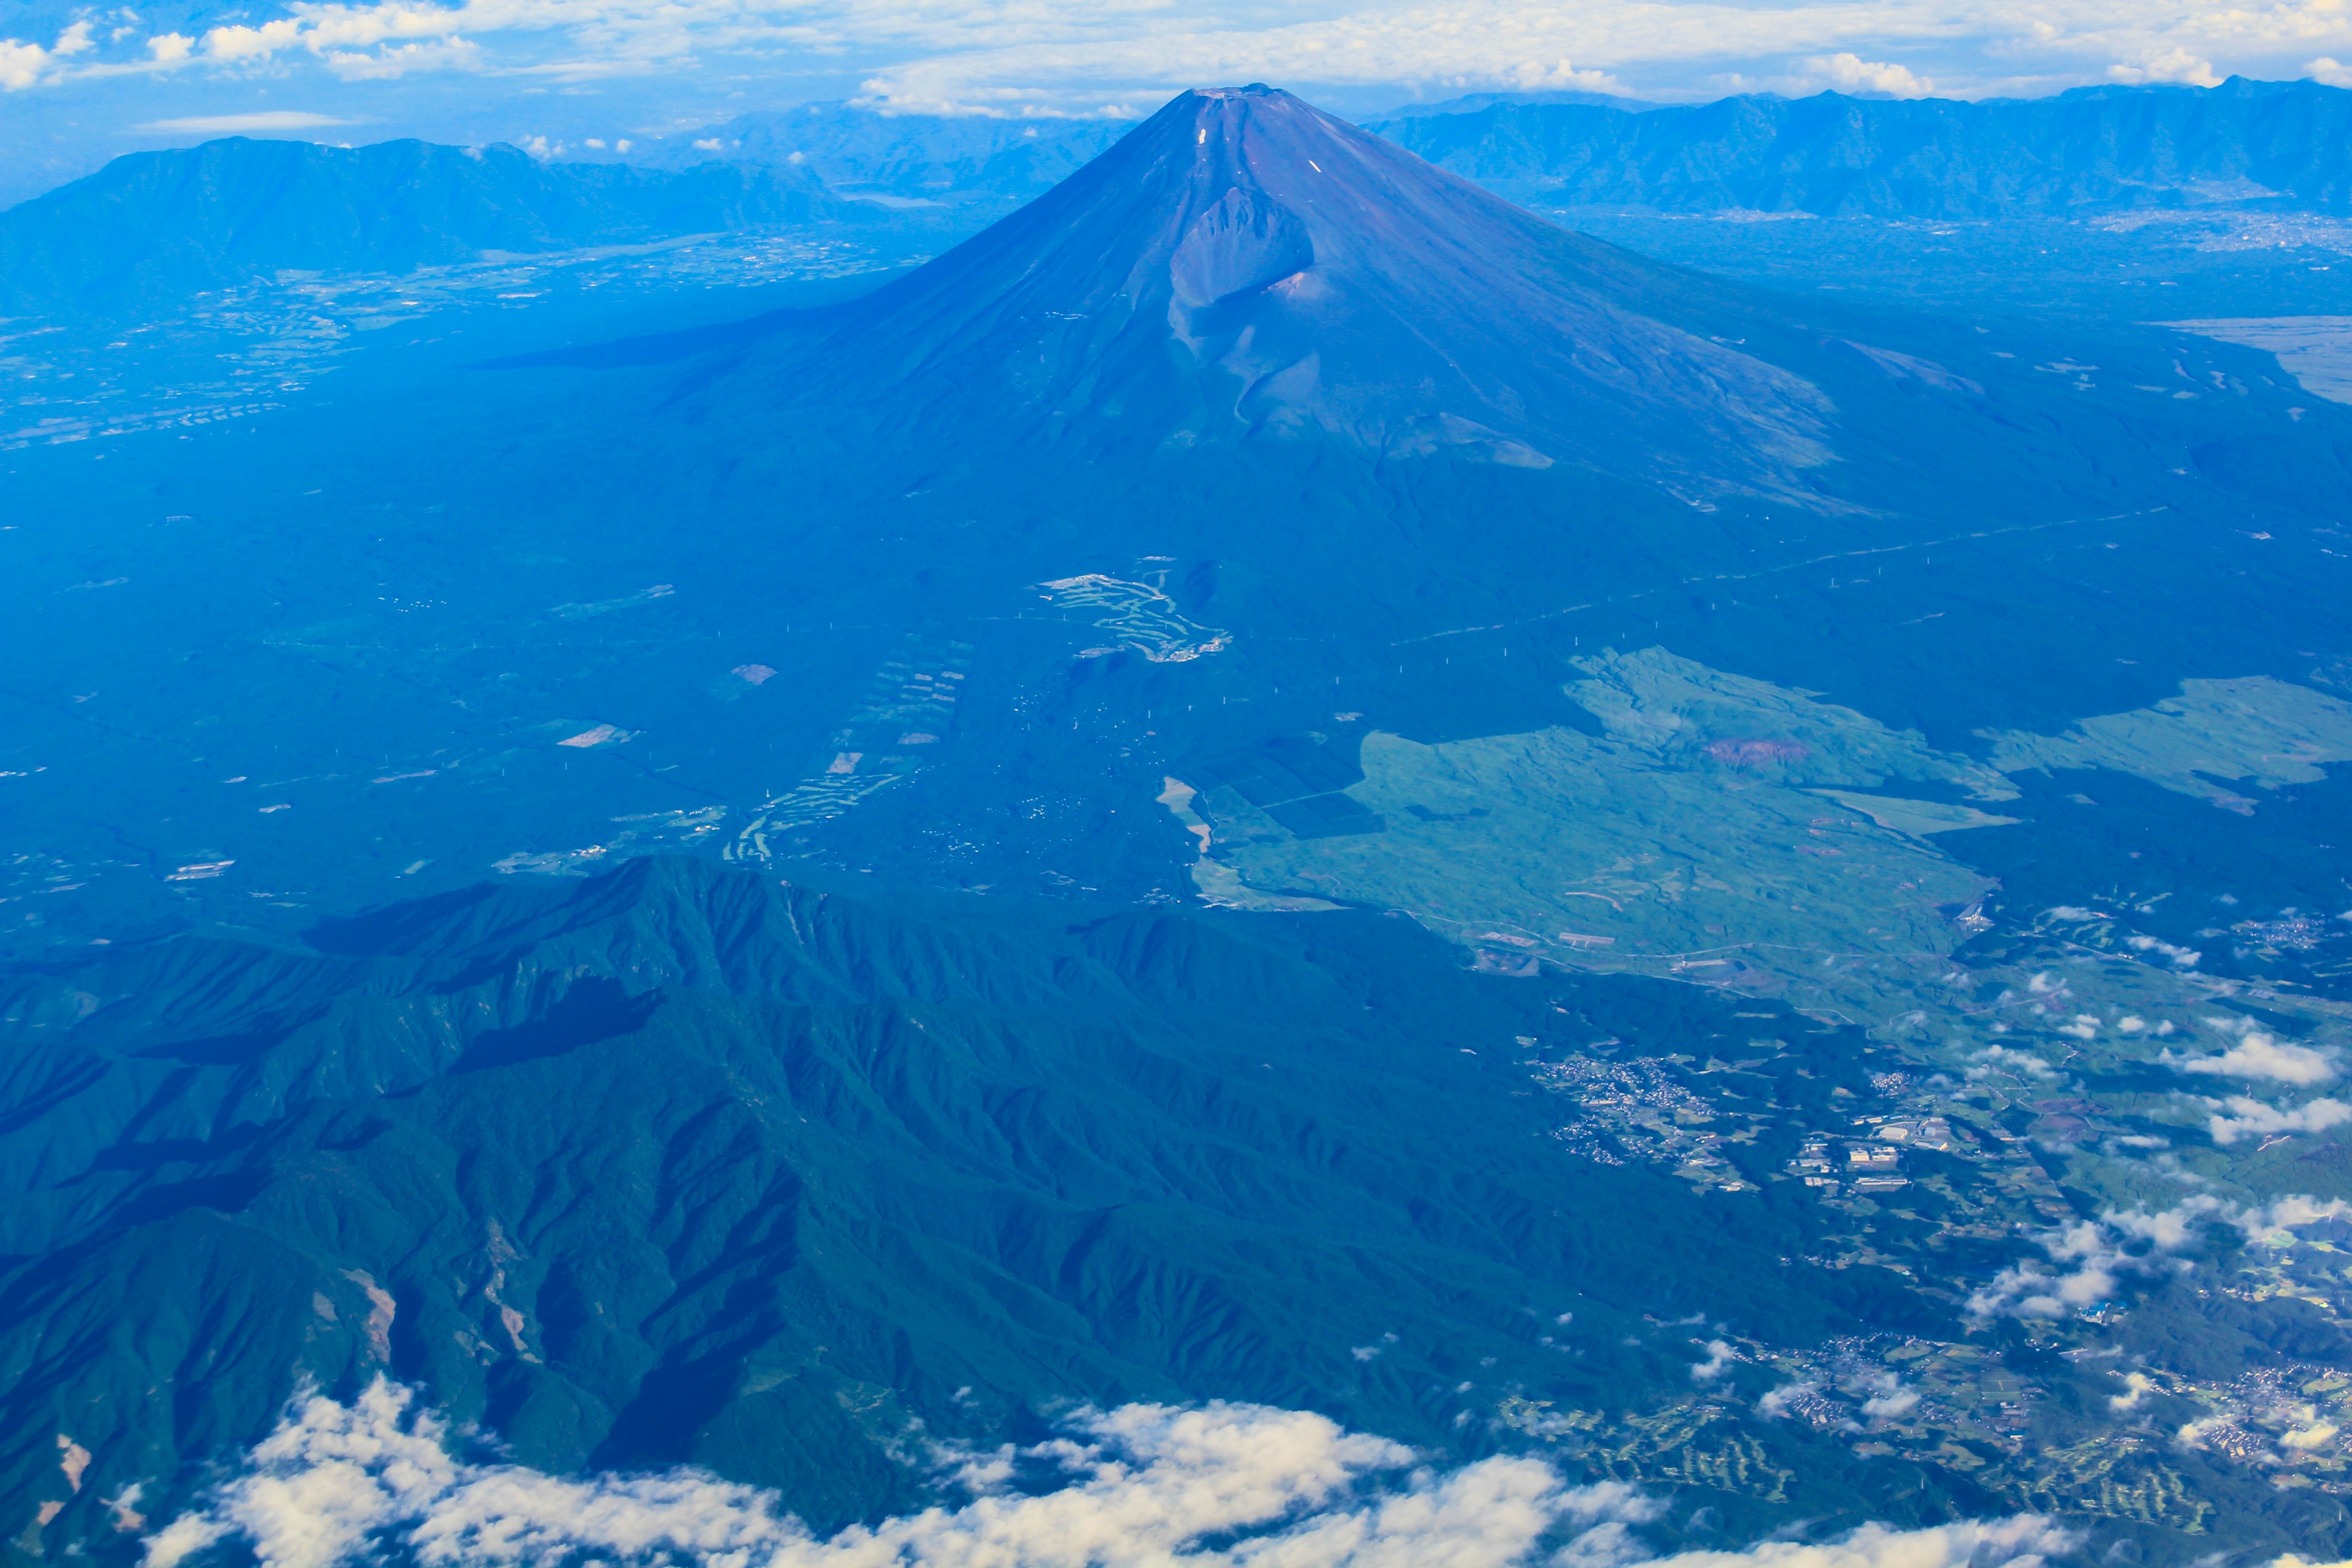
[1244,264]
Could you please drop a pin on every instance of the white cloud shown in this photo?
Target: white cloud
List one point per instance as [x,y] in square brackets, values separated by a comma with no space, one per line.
[2181,957]
[1888,1397]
[242,43]
[230,125]
[20,64]
[2092,1256]
[1993,1058]
[1852,73]
[1719,1356]
[1054,57]
[2276,1224]
[2331,73]
[2259,1055]
[443,54]
[2250,1118]
[2025,1541]
[2174,65]
[1144,1486]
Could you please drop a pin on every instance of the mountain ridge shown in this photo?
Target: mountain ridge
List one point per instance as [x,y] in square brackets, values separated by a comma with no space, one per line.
[154,225]
[627,1221]
[2267,146]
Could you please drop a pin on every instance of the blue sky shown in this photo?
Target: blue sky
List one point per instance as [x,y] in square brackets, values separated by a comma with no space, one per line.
[79,83]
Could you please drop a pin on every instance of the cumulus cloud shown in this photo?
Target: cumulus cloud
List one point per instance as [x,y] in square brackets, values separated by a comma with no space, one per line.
[2276,1225]
[2089,1259]
[441,54]
[1852,73]
[1993,1061]
[2174,65]
[1719,1356]
[22,64]
[2028,1540]
[1888,1397]
[1144,1486]
[1084,56]
[2240,1116]
[2259,1055]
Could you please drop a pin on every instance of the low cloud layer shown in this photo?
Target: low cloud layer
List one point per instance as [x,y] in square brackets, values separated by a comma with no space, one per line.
[1224,1486]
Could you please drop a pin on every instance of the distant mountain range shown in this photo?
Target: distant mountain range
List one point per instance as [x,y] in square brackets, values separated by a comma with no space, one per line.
[898,160]
[159,225]
[2273,145]
[2280,145]
[155,225]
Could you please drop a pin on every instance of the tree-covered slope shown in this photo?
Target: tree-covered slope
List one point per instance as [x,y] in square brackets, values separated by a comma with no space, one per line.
[681,1165]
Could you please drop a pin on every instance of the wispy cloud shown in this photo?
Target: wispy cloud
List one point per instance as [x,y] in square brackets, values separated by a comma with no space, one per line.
[1221,1486]
[229,124]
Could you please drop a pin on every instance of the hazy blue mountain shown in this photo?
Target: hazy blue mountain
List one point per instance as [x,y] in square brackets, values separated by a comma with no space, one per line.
[1470,103]
[2272,145]
[948,160]
[152,226]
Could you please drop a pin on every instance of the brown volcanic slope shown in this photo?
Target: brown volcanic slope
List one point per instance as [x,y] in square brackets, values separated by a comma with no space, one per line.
[1245,264]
